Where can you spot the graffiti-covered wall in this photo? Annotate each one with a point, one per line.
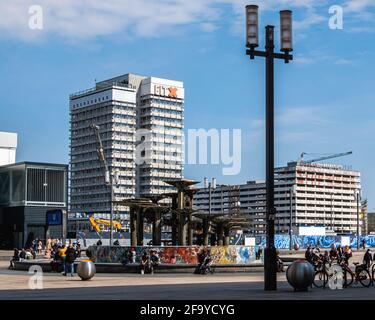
(282, 241)
(176, 255)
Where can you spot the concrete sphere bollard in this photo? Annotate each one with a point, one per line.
(300, 275)
(296, 247)
(86, 269)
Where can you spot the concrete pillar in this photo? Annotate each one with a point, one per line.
(182, 219)
(140, 228)
(226, 236)
(133, 227)
(174, 223)
(190, 231)
(156, 228)
(206, 231)
(219, 232)
(182, 230)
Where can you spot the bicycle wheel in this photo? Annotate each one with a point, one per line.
(320, 279)
(364, 278)
(348, 278)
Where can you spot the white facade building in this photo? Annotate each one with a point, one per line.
(8, 147)
(140, 120)
(324, 196)
(160, 118)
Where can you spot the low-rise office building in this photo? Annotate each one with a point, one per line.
(313, 194)
(33, 202)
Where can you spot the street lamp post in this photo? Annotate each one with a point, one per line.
(270, 269)
(332, 211)
(210, 186)
(292, 193)
(357, 196)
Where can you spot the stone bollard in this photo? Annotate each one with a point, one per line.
(300, 275)
(86, 269)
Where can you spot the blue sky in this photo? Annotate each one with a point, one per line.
(324, 100)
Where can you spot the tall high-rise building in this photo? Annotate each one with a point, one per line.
(140, 123)
(160, 122)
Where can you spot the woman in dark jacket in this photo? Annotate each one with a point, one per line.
(70, 258)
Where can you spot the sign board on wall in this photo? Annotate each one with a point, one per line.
(312, 231)
(249, 241)
(163, 88)
(54, 217)
(345, 241)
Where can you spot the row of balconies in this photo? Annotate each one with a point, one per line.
(176, 124)
(79, 176)
(84, 151)
(86, 166)
(161, 114)
(179, 108)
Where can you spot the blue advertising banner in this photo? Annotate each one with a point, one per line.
(54, 217)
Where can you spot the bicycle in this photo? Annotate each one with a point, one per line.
(321, 266)
(372, 274)
(361, 274)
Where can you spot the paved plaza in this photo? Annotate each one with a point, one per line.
(224, 286)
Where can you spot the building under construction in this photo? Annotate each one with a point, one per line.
(312, 194)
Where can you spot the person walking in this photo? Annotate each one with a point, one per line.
(62, 256)
(364, 244)
(367, 259)
(71, 255)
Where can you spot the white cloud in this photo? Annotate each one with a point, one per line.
(344, 62)
(208, 27)
(302, 116)
(358, 5)
(311, 19)
(85, 19)
(361, 30)
(301, 60)
(90, 18)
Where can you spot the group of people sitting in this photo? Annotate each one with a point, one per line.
(21, 255)
(149, 262)
(204, 262)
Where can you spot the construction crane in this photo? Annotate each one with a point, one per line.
(108, 178)
(97, 222)
(101, 154)
(336, 155)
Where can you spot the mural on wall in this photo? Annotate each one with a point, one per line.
(282, 241)
(176, 255)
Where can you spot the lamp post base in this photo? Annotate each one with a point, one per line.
(270, 269)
